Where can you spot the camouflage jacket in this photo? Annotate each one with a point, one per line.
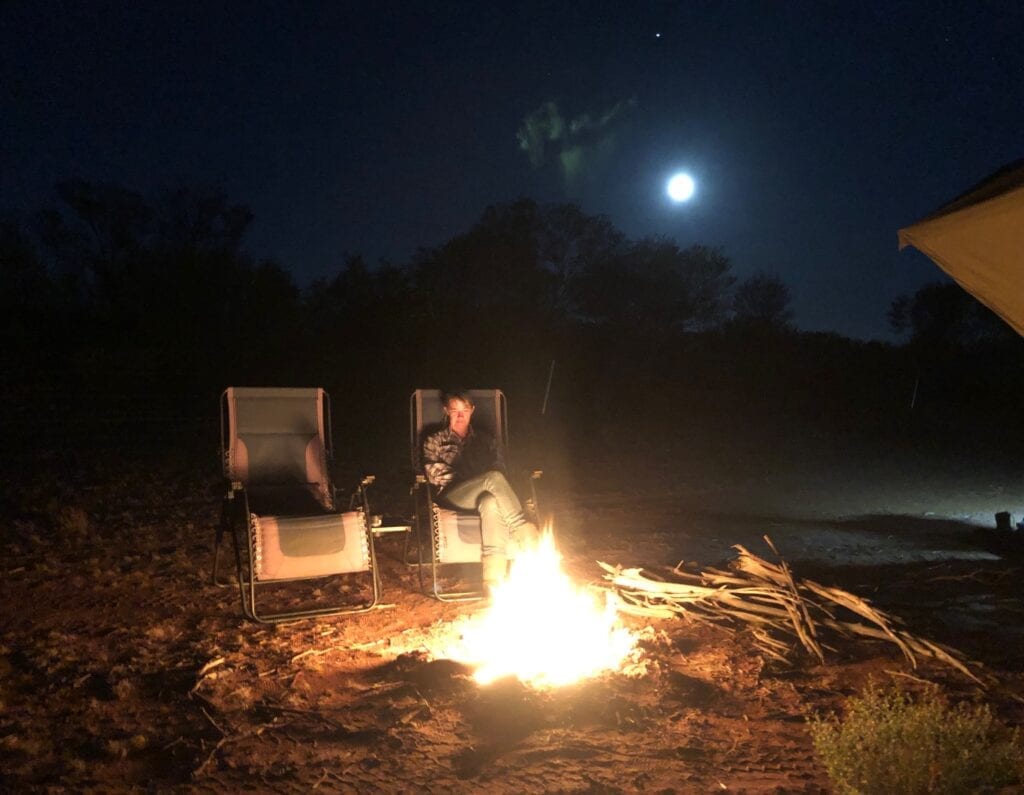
(448, 458)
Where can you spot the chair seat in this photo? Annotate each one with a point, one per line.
(296, 547)
(458, 536)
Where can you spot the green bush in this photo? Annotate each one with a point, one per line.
(890, 743)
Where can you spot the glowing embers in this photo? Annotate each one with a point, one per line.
(541, 628)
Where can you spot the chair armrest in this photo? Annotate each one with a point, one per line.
(236, 497)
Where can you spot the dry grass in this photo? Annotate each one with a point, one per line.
(776, 608)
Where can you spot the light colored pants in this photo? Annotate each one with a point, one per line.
(501, 513)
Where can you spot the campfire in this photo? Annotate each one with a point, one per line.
(542, 628)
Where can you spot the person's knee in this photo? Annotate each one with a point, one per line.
(494, 479)
(487, 506)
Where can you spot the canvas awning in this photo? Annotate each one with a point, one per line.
(978, 239)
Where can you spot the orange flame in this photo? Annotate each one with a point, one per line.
(541, 628)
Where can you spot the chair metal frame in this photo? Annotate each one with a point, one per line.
(238, 518)
(427, 530)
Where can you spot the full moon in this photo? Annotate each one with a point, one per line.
(681, 187)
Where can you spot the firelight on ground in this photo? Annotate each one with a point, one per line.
(542, 628)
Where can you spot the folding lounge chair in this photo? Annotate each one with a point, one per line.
(444, 536)
(280, 505)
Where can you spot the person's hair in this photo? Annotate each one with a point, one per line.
(457, 394)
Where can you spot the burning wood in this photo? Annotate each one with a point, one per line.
(765, 596)
(542, 628)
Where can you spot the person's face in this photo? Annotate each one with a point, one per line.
(459, 414)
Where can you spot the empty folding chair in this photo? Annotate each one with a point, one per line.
(281, 511)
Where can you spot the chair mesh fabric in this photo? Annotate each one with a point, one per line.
(275, 457)
(286, 411)
(293, 547)
(429, 416)
(457, 536)
(276, 438)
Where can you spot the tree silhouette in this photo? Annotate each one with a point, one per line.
(762, 302)
(96, 245)
(570, 243)
(943, 316)
(164, 287)
(30, 301)
(492, 268)
(656, 287)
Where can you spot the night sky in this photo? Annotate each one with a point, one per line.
(814, 129)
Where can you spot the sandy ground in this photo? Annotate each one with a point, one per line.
(121, 667)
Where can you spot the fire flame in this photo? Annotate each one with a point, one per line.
(541, 628)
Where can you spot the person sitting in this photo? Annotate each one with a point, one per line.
(467, 469)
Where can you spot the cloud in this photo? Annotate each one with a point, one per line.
(539, 127)
(580, 145)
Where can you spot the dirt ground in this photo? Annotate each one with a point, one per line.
(122, 667)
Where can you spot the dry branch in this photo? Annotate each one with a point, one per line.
(774, 604)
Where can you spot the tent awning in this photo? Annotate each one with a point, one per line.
(978, 239)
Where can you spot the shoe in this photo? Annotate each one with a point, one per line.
(494, 567)
(530, 510)
(524, 537)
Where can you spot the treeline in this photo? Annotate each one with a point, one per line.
(119, 305)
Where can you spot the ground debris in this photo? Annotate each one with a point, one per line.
(776, 607)
(122, 667)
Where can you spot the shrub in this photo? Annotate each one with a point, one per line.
(890, 743)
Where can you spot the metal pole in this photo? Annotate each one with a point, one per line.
(547, 389)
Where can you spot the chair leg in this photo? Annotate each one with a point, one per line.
(248, 589)
(251, 611)
(453, 596)
(248, 605)
(418, 524)
(408, 544)
(218, 539)
(418, 562)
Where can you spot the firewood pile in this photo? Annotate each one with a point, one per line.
(783, 614)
